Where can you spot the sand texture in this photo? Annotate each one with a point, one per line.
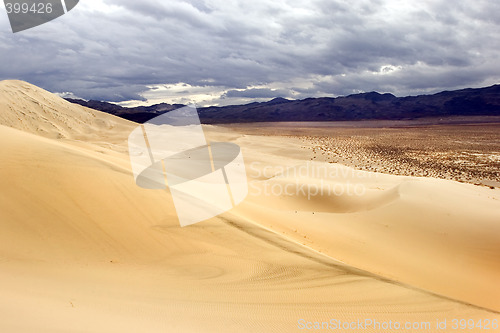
(83, 249)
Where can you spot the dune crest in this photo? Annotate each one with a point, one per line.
(403, 228)
(82, 248)
(31, 109)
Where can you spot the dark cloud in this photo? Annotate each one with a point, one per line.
(118, 49)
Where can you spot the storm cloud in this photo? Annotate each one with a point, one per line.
(226, 52)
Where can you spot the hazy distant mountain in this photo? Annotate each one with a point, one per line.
(138, 114)
(371, 105)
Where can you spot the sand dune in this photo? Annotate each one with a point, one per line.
(437, 235)
(83, 249)
(31, 109)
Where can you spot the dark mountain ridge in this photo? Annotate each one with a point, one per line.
(364, 106)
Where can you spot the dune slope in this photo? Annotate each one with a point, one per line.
(34, 110)
(83, 249)
(438, 235)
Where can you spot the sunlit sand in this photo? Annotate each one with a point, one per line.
(83, 249)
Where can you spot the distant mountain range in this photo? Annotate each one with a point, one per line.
(365, 106)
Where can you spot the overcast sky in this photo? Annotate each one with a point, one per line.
(218, 52)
